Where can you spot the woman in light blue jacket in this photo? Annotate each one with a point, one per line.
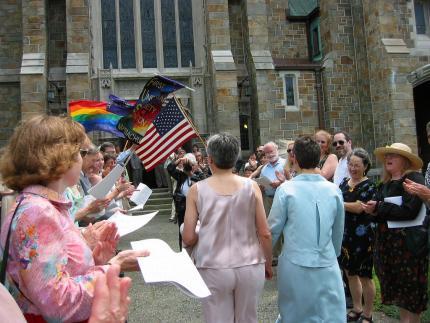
(309, 211)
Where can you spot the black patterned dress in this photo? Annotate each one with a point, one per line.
(402, 270)
(359, 235)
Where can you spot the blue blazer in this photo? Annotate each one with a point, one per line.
(309, 211)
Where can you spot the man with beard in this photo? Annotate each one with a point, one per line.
(343, 146)
(274, 171)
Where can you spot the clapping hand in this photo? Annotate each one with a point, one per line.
(369, 207)
(417, 189)
(102, 231)
(111, 300)
(280, 176)
(275, 184)
(103, 252)
(124, 189)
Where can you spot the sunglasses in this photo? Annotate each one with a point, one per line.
(83, 152)
(340, 142)
(289, 150)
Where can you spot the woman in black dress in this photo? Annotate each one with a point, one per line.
(358, 238)
(186, 177)
(401, 254)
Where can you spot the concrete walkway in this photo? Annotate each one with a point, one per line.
(165, 303)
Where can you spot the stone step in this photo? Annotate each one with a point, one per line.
(157, 207)
(161, 211)
(160, 194)
(160, 190)
(159, 201)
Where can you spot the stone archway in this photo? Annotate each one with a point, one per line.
(420, 80)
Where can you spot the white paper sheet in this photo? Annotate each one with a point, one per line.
(136, 208)
(405, 224)
(263, 181)
(163, 265)
(130, 223)
(140, 196)
(101, 189)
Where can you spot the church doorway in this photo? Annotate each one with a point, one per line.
(422, 116)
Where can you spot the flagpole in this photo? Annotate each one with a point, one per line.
(190, 121)
(125, 146)
(132, 149)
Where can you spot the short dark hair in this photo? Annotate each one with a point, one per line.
(307, 152)
(188, 167)
(109, 156)
(363, 155)
(224, 150)
(106, 144)
(344, 133)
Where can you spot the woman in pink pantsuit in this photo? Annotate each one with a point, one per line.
(232, 250)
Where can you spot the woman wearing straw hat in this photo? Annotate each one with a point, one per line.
(401, 263)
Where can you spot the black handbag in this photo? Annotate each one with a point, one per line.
(6, 247)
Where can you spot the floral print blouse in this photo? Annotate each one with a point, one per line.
(50, 267)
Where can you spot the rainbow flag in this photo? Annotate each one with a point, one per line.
(93, 115)
(145, 109)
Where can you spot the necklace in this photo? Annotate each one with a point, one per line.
(352, 184)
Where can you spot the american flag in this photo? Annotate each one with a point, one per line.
(169, 131)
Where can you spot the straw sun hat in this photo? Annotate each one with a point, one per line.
(402, 150)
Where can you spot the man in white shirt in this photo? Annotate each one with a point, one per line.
(343, 146)
(275, 166)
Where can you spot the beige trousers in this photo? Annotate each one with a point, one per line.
(235, 293)
(276, 251)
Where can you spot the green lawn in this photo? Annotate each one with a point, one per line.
(392, 310)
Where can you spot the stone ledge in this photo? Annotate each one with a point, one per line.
(77, 63)
(262, 60)
(420, 75)
(33, 63)
(395, 46)
(223, 60)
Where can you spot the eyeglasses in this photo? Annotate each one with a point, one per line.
(340, 142)
(289, 150)
(321, 142)
(83, 152)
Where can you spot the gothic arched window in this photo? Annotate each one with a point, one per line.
(147, 34)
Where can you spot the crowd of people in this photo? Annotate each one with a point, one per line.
(322, 221)
(328, 221)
